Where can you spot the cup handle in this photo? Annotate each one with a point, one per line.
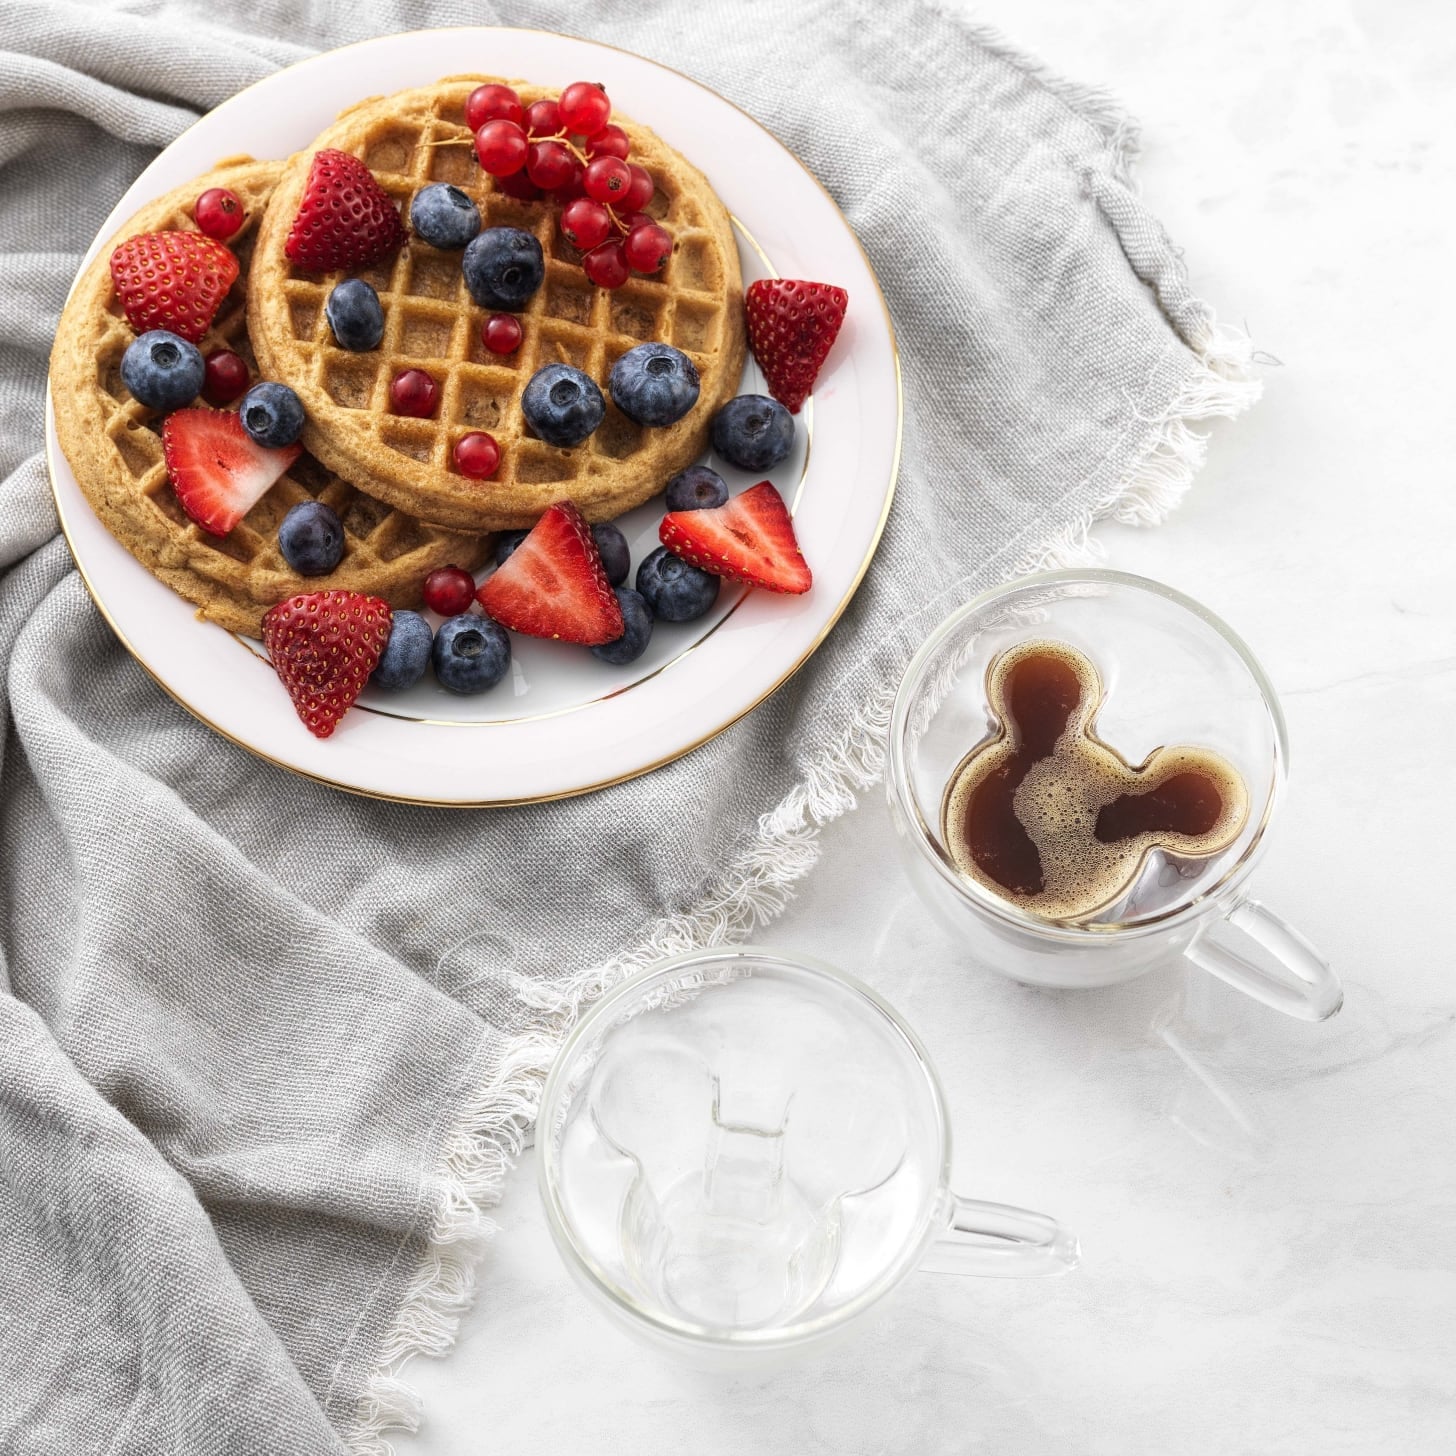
(1292, 976)
(999, 1241)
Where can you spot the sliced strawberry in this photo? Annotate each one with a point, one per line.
(554, 585)
(172, 281)
(217, 471)
(324, 645)
(792, 326)
(346, 219)
(750, 539)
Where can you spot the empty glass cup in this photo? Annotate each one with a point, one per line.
(1171, 673)
(743, 1151)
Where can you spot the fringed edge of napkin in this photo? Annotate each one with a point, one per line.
(492, 1127)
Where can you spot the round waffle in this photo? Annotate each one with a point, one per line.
(695, 303)
(115, 450)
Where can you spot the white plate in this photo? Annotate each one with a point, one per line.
(561, 723)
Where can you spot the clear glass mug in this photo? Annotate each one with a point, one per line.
(742, 1151)
(1172, 673)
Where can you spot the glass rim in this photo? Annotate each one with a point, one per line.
(897, 775)
(623, 1300)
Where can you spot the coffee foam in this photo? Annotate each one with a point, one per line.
(1062, 794)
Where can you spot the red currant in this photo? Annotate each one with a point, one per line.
(647, 247)
(626, 221)
(606, 266)
(639, 194)
(218, 213)
(607, 179)
(543, 118)
(225, 377)
(501, 333)
(571, 189)
(585, 223)
(412, 392)
(584, 108)
(490, 103)
(477, 455)
(519, 186)
(549, 164)
(610, 141)
(501, 147)
(449, 590)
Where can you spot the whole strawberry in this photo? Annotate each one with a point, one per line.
(346, 220)
(172, 281)
(324, 645)
(792, 325)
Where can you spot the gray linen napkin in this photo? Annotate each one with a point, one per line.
(268, 1049)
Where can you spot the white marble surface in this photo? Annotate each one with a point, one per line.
(1279, 1277)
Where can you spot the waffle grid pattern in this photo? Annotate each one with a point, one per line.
(431, 323)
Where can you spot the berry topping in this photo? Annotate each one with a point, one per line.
(172, 281)
(217, 472)
(503, 267)
(753, 432)
(584, 108)
(355, 315)
(610, 141)
(406, 655)
(226, 377)
(647, 247)
(572, 188)
(636, 630)
(506, 543)
(562, 405)
(444, 216)
(549, 164)
(792, 326)
(607, 179)
(449, 590)
(654, 384)
(412, 392)
(543, 118)
(493, 102)
(606, 265)
(272, 414)
(345, 220)
(502, 148)
(323, 646)
(750, 539)
(639, 190)
(696, 489)
(311, 538)
(612, 547)
(162, 371)
(477, 455)
(519, 186)
(585, 223)
(676, 590)
(471, 654)
(219, 213)
(554, 584)
(501, 333)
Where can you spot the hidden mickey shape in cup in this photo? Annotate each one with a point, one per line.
(741, 1151)
(1172, 673)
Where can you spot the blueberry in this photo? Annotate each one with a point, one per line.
(753, 432)
(311, 538)
(506, 543)
(612, 545)
(162, 370)
(444, 216)
(407, 653)
(503, 267)
(637, 619)
(272, 414)
(654, 384)
(696, 489)
(471, 654)
(354, 315)
(562, 405)
(676, 590)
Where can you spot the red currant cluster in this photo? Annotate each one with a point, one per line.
(568, 149)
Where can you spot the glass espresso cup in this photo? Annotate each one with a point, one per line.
(741, 1151)
(1171, 673)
